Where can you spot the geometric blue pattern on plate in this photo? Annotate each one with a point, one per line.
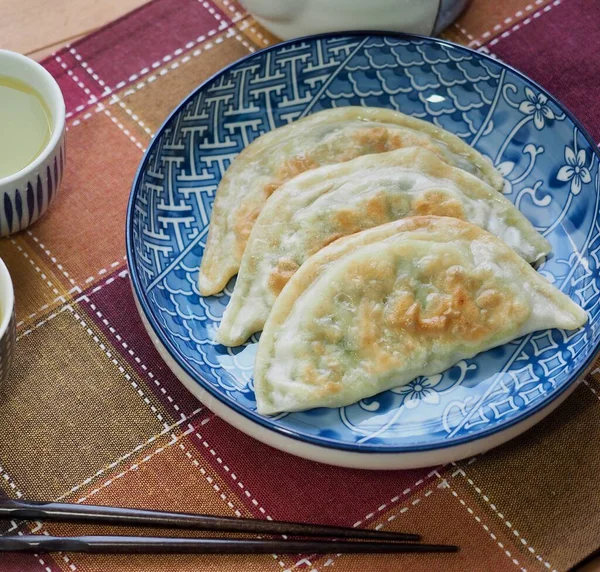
(552, 174)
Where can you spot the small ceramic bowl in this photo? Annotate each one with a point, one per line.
(27, 194)
(7, 322)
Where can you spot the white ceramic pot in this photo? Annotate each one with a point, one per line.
(293, 18)
(27, 194)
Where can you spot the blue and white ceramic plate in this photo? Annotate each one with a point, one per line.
(551, 170)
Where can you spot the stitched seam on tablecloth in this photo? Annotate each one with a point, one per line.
(404, 509)
(240, 484)
(134, 116)
(243, 26)
(214, 14)
(52, 258)
(394, 499)
(121, 369)
(69, 563)
(124, 129)
(405, 492)
(463, 31)
(14, 524)
(134, 77)
(121, 274)
(484, 50)
(167, 58)
(215, 486)
(534, 15)
(107, 91)
(413, 502)
(124, 273)
(41, 309)
(39, 527)
(89, 70)
(102, 271)
(236, 14)
(59, 297)
(308, 563)
(100, 106)
(233, 476)
(126, 347)
(164, 71)
(478, 519)
(260, 36)
(135, 466)
(78, 82)
(587, 384)
(530, 548)
(305, 561)
(133, 451)
(231, 33)
(68, 304)
(37, 268)
(6, 478)
(525, 22)
(534, 6)
(43, 562)
(85, 116)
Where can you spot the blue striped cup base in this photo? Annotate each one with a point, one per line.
(30, 196)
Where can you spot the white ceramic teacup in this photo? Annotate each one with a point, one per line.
(27, 194)
(7, 321)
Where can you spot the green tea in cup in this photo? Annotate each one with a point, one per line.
(25, 125)
(32, 141)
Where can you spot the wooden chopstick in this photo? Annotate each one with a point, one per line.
(64, 512)
(158, 545)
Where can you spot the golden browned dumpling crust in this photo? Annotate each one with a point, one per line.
(318, 207)
(324, 138)
(376, 309)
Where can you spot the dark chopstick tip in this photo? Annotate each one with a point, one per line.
(385, 535)
(431, 547)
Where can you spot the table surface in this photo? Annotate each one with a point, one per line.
(37, 28)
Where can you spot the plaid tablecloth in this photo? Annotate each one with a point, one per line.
(91, 414)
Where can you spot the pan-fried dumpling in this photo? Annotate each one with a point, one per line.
(319, 206)
(374, 310)
(324, 138)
